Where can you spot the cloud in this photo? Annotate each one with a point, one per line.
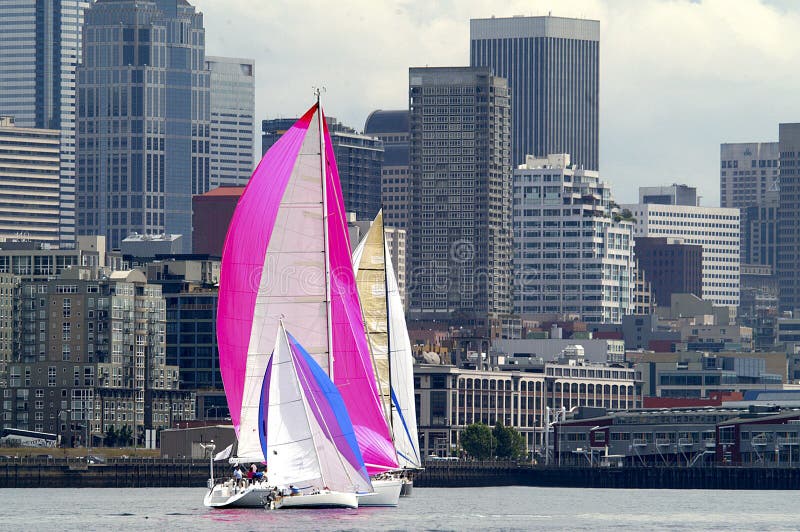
(677, 77)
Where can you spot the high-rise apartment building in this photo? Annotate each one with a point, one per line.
(92, 357)
(39, 54)
(749, 172)
(29, 183)
(460, 251)
(714, 228)
(552, 65)
(143, 119)
(789, 218)
(232, 120)
(359, 159)
(573, 252)
(391, 128)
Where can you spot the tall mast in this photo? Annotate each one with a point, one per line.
(322, 175)
(386, 257)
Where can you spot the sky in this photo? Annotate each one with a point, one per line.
(677, 78)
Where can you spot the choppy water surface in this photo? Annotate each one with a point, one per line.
(515, 508)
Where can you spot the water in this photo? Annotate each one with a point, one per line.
(485, 509)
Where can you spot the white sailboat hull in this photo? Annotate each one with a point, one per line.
(387, 493)
(324, 499)
(228, 495)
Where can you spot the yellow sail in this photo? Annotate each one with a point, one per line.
(369, 262)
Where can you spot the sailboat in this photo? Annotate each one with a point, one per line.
(287, 258)
(390, 345)
(306, 435)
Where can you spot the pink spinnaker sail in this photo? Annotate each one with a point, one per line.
(243, 258)
(273, 267)
(352, 366)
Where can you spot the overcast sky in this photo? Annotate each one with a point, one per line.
(677, 78)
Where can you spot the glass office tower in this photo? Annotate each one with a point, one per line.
(232, 118)
(40, 50)
(143, 119)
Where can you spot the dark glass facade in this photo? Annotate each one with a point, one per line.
(40, 51)
(359, 159)
(789, 218)
(552, 66)
(143, 119)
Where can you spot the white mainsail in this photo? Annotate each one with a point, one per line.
(302, 446)
(292, 283)
(404, 414)
(391, 348)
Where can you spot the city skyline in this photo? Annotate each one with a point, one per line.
(666, 102)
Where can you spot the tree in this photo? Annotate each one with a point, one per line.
(111, 436)
(124, 436)
(509, 443)
(476, 440)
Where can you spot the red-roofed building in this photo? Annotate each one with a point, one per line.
(714, 399)
(211, 215)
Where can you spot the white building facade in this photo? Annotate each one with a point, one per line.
(714, 228)
(232, 120)
(572, 250)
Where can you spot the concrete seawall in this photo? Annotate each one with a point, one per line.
(150, 474)
(166, 473)
(477, 474)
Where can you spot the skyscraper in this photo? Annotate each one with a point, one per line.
(553, 69)
(359, 159)
(573, 252)
(459, 263)
(232, 118)
(749, 181)
(391, 127)
(143, 119)
(39, 53)
(789, 218)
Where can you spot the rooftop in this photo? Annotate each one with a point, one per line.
(223, 191)
(380, 121)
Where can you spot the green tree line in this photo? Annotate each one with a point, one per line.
(481, 442)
